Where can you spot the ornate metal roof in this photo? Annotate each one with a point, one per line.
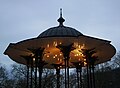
(60, 31)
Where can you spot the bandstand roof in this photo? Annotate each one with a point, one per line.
(60, 35)
(60, 31)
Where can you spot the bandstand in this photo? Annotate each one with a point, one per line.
(61, 47)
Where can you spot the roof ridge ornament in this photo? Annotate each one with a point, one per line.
(61, 19)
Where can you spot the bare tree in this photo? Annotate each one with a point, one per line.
(116, 61)
(19, 73)
(5, 82)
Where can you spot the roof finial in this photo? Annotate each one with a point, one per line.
(61, 20)
(60, 12)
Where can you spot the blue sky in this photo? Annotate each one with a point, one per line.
(24, 19)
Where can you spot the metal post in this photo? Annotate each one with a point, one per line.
(40, 76)
(36, 62)
(38, 54)
(90, 65)
(40, 67)
(58, 82)
(58, 77)
(88, 84)
(27, 75)
(80, 77)
(27, 58)
(66, 51)
(90, 77)
(78, 66)
(68, 70)
(77, 77)
(93, 76)
(65, 74)
(31, 83)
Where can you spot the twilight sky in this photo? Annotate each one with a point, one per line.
(24, 19)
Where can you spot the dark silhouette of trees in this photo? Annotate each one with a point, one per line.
(18, 74)
(5, 82)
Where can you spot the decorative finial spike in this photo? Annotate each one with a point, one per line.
(61, 20)
(60, 12)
